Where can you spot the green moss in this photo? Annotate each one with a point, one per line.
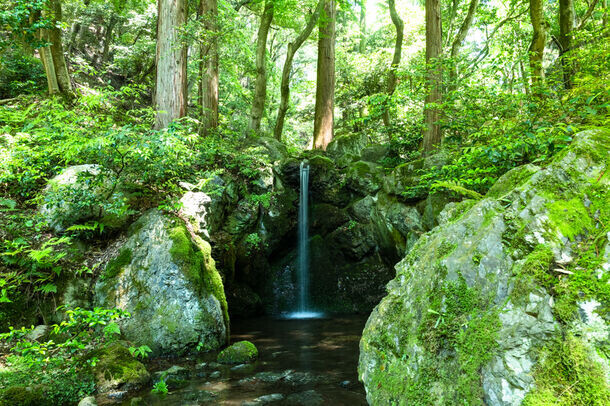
(24, 396)
(533, 272)
(445, 249)
(570, 217)
(511, 180)
(115, 363)
(241, 352)
(197, 264)
(568, 374)
(115, 266)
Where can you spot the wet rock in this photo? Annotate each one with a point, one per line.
(243, 368)
(168, 282)
(264, 400)
(82, 193)
(117, 394)
(346, 384)
(88, 401)
(174, 377)
(467, 317)
(215, 375)
(307, 398)
(242, 352)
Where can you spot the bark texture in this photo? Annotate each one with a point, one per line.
(392, 78)
(170, 100)
(536, 49)
(52, 57)
(432, 130)
(362, 44)
(293, 47)
(260, 87)
(325, 84)
(208, 66)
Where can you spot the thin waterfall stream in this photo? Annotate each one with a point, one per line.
(303, 310)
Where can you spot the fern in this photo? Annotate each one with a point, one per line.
(457, 188)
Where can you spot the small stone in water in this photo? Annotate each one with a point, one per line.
(345, 384)
(215, 375)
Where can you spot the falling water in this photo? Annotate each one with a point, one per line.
(303, 310)
(303, 265)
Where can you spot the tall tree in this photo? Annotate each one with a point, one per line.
(432, 130)
(323, 126)
(566, 26)
(458, 41)
(362, 44)
(170, 91)
(536, 49)
(260, 87)
(293, 47)
(392, 79)
(208, 66)
(52, 56)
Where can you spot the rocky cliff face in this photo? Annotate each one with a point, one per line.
(506, 301)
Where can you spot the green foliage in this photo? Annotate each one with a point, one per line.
(20, 74)
(140, 352)
(160, 388)
(55, 364)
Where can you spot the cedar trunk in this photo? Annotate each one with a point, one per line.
(536, 50)
(432, 130)
(170, 100)
(260, 87)
(52, 57)
(325, 83)
(208, 66)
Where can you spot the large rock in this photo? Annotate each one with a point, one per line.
(115, 368)
(82, 193)
(347, 148)
(506, 300)
(169, 284)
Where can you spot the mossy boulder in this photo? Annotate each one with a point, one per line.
(116, 368)
(242, 352)
(84, 193)
(21, 395)
(166, 278)
(506, 301)
(364, 178)
(347, 148)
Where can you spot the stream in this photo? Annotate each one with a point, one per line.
(301, 362)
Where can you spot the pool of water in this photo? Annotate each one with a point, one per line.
(301, 362)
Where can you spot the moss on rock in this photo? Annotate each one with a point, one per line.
(21, 395)
(115, 266)
(242, 352)
(117, 368)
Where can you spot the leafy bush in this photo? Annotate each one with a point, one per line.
(20, 74)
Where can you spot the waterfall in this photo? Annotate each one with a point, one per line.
(303, 248)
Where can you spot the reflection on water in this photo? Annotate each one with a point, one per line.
(301, 362)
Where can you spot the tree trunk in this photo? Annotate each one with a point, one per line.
(208, 10)
(392, 79)
(432, 131)
(566, 26)
(362, 44)
(536, 49)
(260, 87)
(293, 47)
(325, 83)
(108, 38)
(459, 40)
(52, 56)
(170, 101)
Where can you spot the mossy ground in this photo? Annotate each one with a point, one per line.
(115, 363)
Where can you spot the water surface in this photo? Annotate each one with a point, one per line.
(301, 362)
